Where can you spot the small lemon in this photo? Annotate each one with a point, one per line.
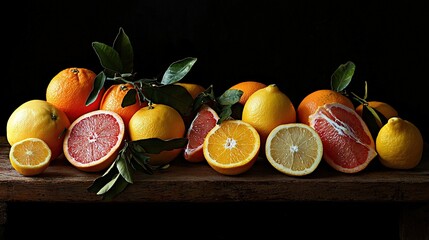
(399, 144)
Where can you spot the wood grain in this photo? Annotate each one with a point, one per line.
(187, 182)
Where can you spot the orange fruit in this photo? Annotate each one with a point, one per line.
(93, 140)
(387, 110)
(192, 88)
(348, 145)
(69, 90)
(248, 88)
(399, 144)
(158, 121)
(38, 119)
(30, 156)
(232, 147)
(266, 109)
(112, 101)
(318, 98)
(294, 149)
(205, 119)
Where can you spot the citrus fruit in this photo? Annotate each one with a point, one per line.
(69, 90)
(93, 140)
(232, 147)
(387, 110)
(30, 156)
(205, 119)
(399, 144)
(266, 109)
(113, 98)
(294, 149)
(38, 119)
(348, 145)
(248, 88)
(192, 88)
(158, 121)
(318, 98)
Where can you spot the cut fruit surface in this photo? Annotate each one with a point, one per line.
(30, 156)
(347, 142)
(205, 119)
(93, 140)
(294, 149)
(232, 147)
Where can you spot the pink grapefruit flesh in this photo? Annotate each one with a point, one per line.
(93, 140)
(204, 121)
(348, 145)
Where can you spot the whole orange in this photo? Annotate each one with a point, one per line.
(192, 88)
(158, 121)
(69, 90)
(312, 101)
(248, 88)
(38, 119)
(387, 110)
(112, 101)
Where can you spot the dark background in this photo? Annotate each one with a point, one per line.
(295, 44)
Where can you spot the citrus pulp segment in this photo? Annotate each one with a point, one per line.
(205, 119)
(294, 149)
(232, 147)
(93, 140)
(348, 145)
(30, 156)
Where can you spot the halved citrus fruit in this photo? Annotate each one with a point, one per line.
(232, 147)
(205, 119)
(30, 156)
(348, 145)
(93, 140)
(294, 149)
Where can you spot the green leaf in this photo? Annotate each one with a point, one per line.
(206, 97)
(125, 169)
(100, 182)
(124, 48)
(109, 184)
(225, 114)
(109, 57)
(98, 85)
(142, 162)
(172, 95)
(341, 78)
(129, 98)
(177, 70)
(156, 145)
(230, 97)
(117, 188)
(373, 119)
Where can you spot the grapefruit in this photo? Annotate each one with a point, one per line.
(205, 119)
(348, 145)
(93, 140)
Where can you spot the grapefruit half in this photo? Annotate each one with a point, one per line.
(205, 119)
(348, 145)
(93, 140)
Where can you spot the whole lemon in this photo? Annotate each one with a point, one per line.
(267, 108)
(399, 144)
(38, 119)
(157, 121)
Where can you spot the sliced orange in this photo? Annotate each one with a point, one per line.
(30, 156)
(294, 149)
(232, 147)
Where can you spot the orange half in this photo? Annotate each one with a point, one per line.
(30, 156)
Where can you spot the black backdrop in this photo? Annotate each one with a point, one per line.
(295, 44)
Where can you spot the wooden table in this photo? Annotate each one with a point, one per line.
(186, 182)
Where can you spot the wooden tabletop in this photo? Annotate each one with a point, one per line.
(188, 182)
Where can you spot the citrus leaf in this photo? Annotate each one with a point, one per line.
(118, 187)
(373, 119)
(156, 145)
(100, 182)
(142, 161)
(109, 57)
(109, 184)
(177, 70)
(129, 98)
(98, 85)
(124, 48)
(224, 114)
(230, 97)
(341, 78)
(172, 95)
(125, 169)
(205, 97)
